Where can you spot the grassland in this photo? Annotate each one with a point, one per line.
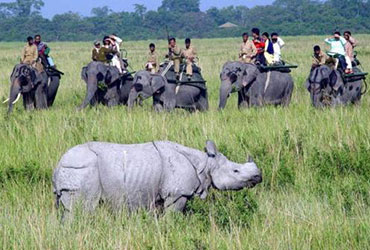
(316, 163)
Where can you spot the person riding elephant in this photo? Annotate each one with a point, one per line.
(44, 51)
(46, 63)
(327, 87)
(105, 85)
(31, 84)
(166, 95)
(255, 87)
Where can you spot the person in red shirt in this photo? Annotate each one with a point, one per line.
(260, 45)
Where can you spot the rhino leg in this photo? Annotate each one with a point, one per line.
(176, 205)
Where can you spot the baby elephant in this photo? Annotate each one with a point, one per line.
(153, 175)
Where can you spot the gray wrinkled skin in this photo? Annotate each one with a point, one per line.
(164, 94)
(116, 88)
(327, 88)
(250, 83)
(159, 174)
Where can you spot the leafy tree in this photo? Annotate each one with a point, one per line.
(140, 10)
(101, 11)
(21, 8)
(184, 19)
(183, 6)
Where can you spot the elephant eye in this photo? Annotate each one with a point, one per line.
(236, 171)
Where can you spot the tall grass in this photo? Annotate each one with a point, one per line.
(316, 163)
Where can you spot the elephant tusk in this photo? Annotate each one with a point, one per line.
(16, 100)
(7, 100)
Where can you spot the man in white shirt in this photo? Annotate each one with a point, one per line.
(278, 44)
(338, 50)
(117, 60)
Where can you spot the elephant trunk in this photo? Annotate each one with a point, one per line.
(225, 91)
(132, 98)
(15, 91)
(92, 87)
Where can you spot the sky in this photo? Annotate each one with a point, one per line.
(84, 7)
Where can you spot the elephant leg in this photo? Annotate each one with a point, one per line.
(41, 97)
(288, 95)
(176, 205)
(202, 104)
(157, 105)
(53, 89)
(29, 101)
(92, 87)
(112, 97)
(243, 100)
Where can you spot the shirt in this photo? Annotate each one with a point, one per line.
(29, 54)
(350, 45)
(247, 51)
(319, 59)
(336, 46)
(152, 58)
(260, 45)
(190, 54)
(277, 52)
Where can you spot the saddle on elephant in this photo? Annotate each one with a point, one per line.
(167, 69)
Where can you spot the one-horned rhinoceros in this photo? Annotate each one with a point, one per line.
(146, 175)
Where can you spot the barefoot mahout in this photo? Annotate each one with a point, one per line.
(105, 84)
(158, 174)
(256, 85)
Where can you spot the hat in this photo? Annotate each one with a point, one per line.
(96, 42)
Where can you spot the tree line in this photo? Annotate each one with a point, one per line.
(183, 18)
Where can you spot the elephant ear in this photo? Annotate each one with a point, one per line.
(112, 75)
(35, 76)
(335, 81)
(211, 149)
(15, 73)
(249, 75)
(157, 83)
(333, 78)
(84, 74)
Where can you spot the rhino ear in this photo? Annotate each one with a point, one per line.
(211, 149)
(249, 159)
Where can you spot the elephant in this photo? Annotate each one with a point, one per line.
(31, 84)
(158, 174)
(105, 85)
(255, 86)
(38, 89)
(167, 96)
(327, 87)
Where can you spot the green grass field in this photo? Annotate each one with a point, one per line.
(316, 163)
